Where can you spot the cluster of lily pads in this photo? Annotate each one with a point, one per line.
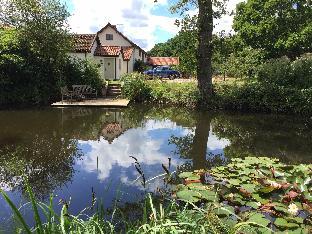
(264, 191)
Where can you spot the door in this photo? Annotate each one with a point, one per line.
(109, 68)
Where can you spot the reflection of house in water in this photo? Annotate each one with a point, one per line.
(93, 124)
(114, 126)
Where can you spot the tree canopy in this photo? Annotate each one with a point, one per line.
(281, 27)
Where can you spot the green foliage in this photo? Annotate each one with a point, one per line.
(283, 72)
(184, 46)
(279, 27)
(138, 89)
(172, 218)
(139, 66)
(81, 72)
(243, 63)
(33, 60)
(135, 88)
(257, 96)
(261, 185)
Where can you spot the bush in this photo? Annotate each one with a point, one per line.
(138, 89)
(243, 63)
(283, 72)
(135, 88)
(256, 96)
(81, 72)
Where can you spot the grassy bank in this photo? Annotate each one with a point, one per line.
(245, 96)
(251, 195)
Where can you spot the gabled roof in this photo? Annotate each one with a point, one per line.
(127, 52)
(107, 51)
(116, 30)
(83, 42)
(162, 61)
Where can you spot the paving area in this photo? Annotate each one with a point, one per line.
(100, 102)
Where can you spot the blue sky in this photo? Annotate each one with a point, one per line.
(143, 21)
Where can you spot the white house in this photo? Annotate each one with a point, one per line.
(109, 48)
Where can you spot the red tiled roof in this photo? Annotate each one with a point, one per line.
(107, 51)
(162, 61)
(83, 42)
(127, 52)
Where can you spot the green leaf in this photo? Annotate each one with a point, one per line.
(234, 182)
(208, 195)
(266, 189)
(249, 187)
(259, 219)
(252, 204)
(189, 195)
(280, 222)
(185, 175)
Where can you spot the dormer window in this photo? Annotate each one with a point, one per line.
(109, 37)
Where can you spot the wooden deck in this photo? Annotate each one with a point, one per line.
(100, 102)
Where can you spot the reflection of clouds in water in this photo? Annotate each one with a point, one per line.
(166, 124)
(216, 143)
(135, 142)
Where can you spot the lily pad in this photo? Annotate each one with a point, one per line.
(259, 219)
(280, 222)
(188, 195)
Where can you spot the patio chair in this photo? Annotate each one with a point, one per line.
(66, 93)
(89, 91)
(78, 92)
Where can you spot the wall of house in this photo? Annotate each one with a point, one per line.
(118, 40)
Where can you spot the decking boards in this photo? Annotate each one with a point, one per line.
(100, 102)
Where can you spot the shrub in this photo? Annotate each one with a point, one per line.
(283, 72)
(256, 96)
(135, 88)
(138, 89)
(81, 72)
(243, 63)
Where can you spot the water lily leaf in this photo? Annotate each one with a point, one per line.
(259, 219)
(252, 204)
(249, 187)
(234, 182)
(208, 195)
(295, 220)
(188, 195)
(280, 222)
(258, 198)
(184, 175)
(308, 196)
(224, 210)
(267, 189)
(281, 208)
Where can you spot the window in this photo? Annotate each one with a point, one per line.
(109, 37)
(119, 64)
(140, 53)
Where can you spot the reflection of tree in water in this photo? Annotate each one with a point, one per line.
(285, 137)
(194, 145)
(46, 162)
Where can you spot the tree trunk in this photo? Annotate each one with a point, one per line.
(204, 53)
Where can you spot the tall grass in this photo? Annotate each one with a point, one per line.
(174, 217)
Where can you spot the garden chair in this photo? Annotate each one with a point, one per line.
(66, 93)
(89, 91)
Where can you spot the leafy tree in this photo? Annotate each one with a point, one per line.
(281, 27)
(183, 45)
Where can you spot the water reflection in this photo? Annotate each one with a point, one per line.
(74, 151)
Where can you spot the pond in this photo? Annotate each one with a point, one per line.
(78, 154)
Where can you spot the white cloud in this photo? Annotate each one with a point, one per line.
(134, 18)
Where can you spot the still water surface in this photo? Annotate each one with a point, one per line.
(74, 153)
